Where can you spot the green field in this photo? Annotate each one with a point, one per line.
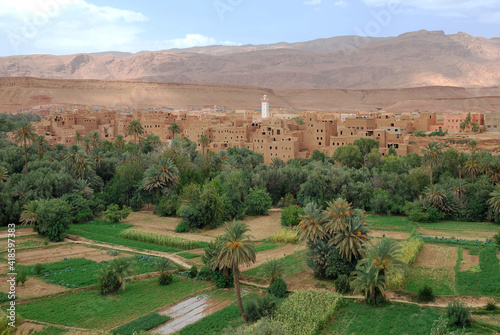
(188, 255)
(293, 264)
(484, 283)
(108, 233)
(92, 311)
(442, 281)
(391, 223)
(266, 245)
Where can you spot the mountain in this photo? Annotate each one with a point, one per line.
(22, 92)
(422, 58)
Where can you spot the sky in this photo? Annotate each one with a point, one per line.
(62, 27)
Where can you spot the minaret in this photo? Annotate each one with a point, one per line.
(265, 107)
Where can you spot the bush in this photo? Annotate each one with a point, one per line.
(338, 265)
(108, 281)
(490, 306)
(342, 284)
(290, 216)
(162, 266)
(278, 288)
(21, 277)
(193, 272)
(260, 307)
(38, 269)
(285, 236)
(80, 207)
(425, 294)
(165, 279)
(182, 227)
(192, 217)
(419, 133)
(54, 217)
(258, 202)
(496, 238)
(205, 273)
(168, 206)
(114, 214)
(418, 215)
(381, 202)
(221, 280)
(458, 314)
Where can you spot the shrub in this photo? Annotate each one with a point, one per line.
(342, 284)
(496, 238)
(490, 306)
(260, 307)
(306, 312)
(54, 217)
(336, 265)
(278, 288)
(419, 133)
(425, 294)
(289, 200)
(290, 216)
(162, 266)
(285, 236)
(205, 273)
(21, 277)
(168, 205)
(193, 272)
(192, 217)
(80, 207)
(165, 279)
(221, 280)
(38, 269)
(418, 215)
(258, 202)
(182, 227)
(381, 202)
(114, 214)
(458, 314)
(107, 281)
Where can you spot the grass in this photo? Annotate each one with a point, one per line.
(145, 322)
(457, 226)
(81, 272)
(267, 245)
(356, 318)
(390, 223)
(484, 283)
(90, 310)
(188, 255)
(441, 280)
(109, 233)
(285, 236)
(293, 264)
(24, 242)
(161, 239)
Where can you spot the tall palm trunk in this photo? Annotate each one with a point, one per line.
(236, 277)
(432, 187)
(25, 157)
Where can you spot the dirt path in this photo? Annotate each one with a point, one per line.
(19, 232)
(277, 253)
(398, 235)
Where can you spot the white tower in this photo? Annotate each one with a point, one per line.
(265, 107)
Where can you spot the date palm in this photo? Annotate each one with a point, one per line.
(385, 256)
(312, 223)
(433, 157)
(78, 138)
(95, 139)
(175, 129)
(367, 280)
(20, 190)
(204, 141)
(235, 249)
(135, 128)
(97, 157)
(22, 136)
(351, 239)
(494, 201)
(41, 146)
(29, 215)
(339, 211)
(272, 269)
(473, 167)
(119, 142)
(160, 176)
(4, 175)
(122, 268)
(83, 188)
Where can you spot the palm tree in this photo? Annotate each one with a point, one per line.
(367, 280)
(97, 158)
(433, 157)
(494, 201)
(122, 268)
(29, 215)
(22, 136)
(41, 146)
(175, 129)
(472, 167)
(95, 139)
(272, 269)
(351, 240)
(83, 188)
(204, 141)
(338, 214)
(385, 256)
(235, 249)
(162, 266)
(87, 144)
(20, 190)
(4, 175)
(78, 138)
(439, 200)
(120, 142)
(135, 128)
(312, 223)
(160, 176)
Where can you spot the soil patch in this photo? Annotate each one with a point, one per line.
(437, 257)
(33, 287)
(471, 235)
(276, 253)
(305, 280)
(391, 234)
(261, 226)
(19, 232)
(30, 328)
(492, 319)
(56, 254)
(468, 261)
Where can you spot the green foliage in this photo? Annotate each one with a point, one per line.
(161, 239)
(182, 227)
(366, 145)
(496, 238)
(491, 306)
(306, 312)
(21, 277)
(348, 155)
(485, 282)
(410, 249)
(93, 311)
(257, 202)
(168, 206)
(162, 266)
(114, 214)
(342, 284)
(278, 288)
(54, 217)
(285, 236)
(458, 314)
(272, 269)
(108, 282)
(419, 133)
(80, 207)
(327, 262)
(188, 255)
(222, 280)
(439, 132)
(260, 307)
(290, 216)
(145, 322)
(425, 294)
(191, 216)
(193, 272)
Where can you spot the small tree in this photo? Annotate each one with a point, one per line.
(258, 202)
(290, 216)
(114, 214)
(53, 218)
(273, 269)
(162, 266)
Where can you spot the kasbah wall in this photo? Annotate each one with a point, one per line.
(273, 133)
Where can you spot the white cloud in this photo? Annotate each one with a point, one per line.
(313, 2)
(190, 40)
(340, 3)
(437, 4)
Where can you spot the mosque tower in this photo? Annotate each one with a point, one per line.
(265, 107)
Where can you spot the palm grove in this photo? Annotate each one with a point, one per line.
(53, 187)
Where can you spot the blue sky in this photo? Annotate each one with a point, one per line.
(73, 26)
